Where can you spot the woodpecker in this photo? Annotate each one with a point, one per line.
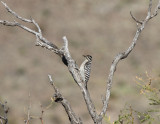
(85, 68)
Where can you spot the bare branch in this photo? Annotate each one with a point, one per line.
(42, 112)
(41, 40)
(63, 53)
(15, 14)
(73, 68)
(53, 85)
(150, 8)
(60, 99)
(28, 110)
(65, 44)
(134, 18)
(65, 48)
(124, 55)
(156, 10)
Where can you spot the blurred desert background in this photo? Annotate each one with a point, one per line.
(101, 28)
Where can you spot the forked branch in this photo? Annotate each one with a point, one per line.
(41, 41)
(60, 99)
(64, 53)
(125, 54)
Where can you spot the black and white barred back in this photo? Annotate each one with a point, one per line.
(87, 67)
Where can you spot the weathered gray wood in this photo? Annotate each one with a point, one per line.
(73, 67)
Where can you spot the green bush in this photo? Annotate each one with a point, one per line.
(149, 88)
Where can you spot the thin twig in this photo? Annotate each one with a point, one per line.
(63, 53)
(15, 14)
(42, 112)
(41, 40)
(134, 18)
(73, 68)
(150, 8)
(28, 110)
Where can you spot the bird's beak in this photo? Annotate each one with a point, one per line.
(84, 56)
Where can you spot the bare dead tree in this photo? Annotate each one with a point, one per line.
(73, 68)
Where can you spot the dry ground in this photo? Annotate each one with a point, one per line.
(101, 28)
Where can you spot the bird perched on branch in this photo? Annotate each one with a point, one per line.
(85, 68)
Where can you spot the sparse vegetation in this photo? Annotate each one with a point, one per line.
(127, 115)
(149, 88)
